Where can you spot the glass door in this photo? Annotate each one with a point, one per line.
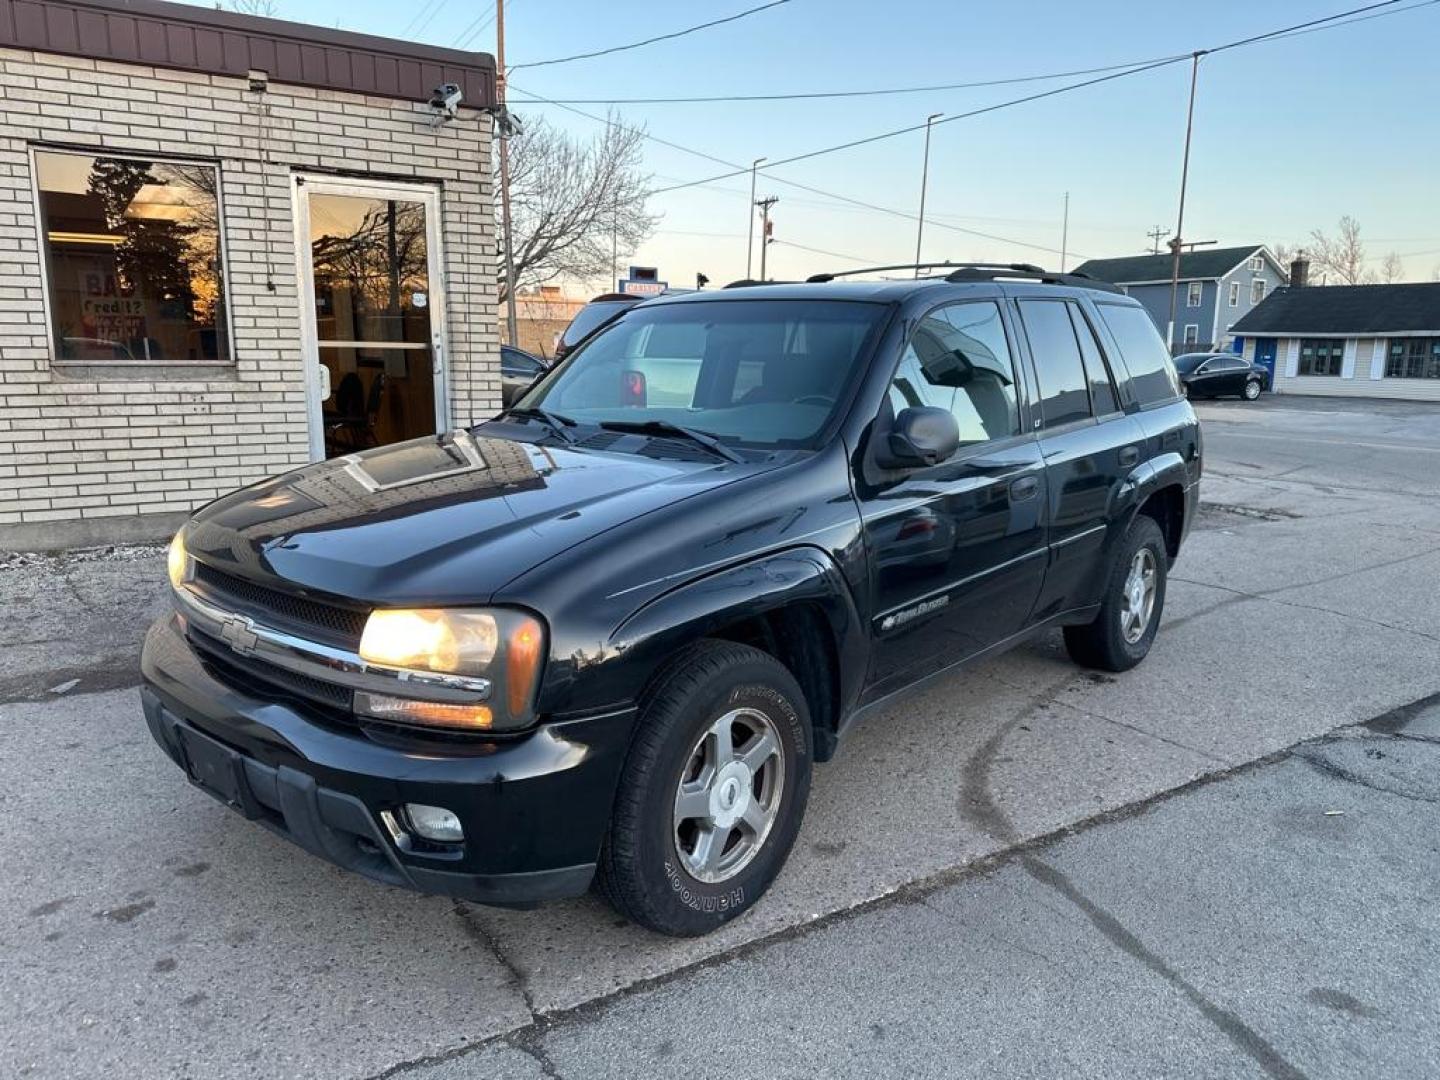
(373, 312)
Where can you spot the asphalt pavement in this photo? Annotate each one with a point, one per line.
(1207, 866)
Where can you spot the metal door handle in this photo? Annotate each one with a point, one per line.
(1129, 455)
(1024, 488)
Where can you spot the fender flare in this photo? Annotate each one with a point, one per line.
(755, 587)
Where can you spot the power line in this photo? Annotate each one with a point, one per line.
(736, 170)
(820, 94)
(1151, 66)
(653, 40)
(419, 14)
(833, 196)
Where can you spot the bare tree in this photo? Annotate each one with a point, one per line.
(1392, 269)
(573, 203)
(1342, 256)
(266, 8)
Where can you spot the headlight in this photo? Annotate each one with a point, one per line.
(503, 647)
(177, 559)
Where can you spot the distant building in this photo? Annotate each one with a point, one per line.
(541, 316)
(1349, 340)
(1218, 287)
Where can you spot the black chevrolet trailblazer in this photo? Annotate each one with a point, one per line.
(602, 638)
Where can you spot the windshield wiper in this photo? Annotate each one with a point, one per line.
(665, 427)
(554, 421)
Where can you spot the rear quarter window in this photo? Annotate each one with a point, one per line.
(1152, 374)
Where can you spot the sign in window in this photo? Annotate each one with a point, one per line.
(133, 259)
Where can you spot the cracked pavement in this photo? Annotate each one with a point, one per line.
(1208, 866)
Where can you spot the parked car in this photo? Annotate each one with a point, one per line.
(603, 638)
(518, 369)
(1216, 374)
(598, 313)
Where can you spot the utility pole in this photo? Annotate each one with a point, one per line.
(1177, 243)
(1158, 233)
(1065, 233)
(765, 204)
(750, 236)
(924, 183)
(512, 333)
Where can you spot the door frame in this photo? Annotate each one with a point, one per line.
(301, 184)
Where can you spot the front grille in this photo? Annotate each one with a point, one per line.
(330, 623)
(249, 674)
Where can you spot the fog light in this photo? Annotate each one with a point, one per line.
(434, 823)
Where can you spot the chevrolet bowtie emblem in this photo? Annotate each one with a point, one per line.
(239, 633)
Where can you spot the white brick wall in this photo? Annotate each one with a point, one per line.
(113, 445)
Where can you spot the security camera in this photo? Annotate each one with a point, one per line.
(445, 101)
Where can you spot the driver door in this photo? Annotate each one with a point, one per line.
(956, 550)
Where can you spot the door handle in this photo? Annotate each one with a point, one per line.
(1024, 488)
(1129, 455)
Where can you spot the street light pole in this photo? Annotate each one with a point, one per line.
(750, 235)
(924, 183)
(1177, 244)
(1065, 233)
(512, 332)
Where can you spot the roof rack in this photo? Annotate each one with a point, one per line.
(981, 272)
(745, 283)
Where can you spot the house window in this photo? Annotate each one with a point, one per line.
(1413, 358)
(1234, 294)
(1194, 294)
(133, 260)
(1257, 263)
(1257, 290)
(1321, 356)
(1192, 334)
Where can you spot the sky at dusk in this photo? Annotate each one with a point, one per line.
(1289, 135)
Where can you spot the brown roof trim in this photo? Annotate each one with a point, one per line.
(213, 42)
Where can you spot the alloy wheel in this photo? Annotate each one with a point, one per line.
(1137, 601)
(729, 795)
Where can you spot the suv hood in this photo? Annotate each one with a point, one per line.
(441, 520)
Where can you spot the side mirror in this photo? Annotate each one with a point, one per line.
(922, 435)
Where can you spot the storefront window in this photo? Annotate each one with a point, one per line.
(1413, 358)
(132, 251)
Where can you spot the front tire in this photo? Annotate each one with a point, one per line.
(1252, 389)
(713, 792)
(1133, 603)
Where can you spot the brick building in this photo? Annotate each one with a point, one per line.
(228, 246)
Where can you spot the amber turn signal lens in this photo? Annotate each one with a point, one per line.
(522, 664)
(428, 713)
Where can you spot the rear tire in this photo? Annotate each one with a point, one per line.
(1132, 605)
(697, 834)
(1252, 389)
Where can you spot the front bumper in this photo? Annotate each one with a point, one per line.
(534, 807)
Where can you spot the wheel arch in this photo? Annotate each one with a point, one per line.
(793, 605)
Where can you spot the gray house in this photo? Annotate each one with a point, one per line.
(1218, 286)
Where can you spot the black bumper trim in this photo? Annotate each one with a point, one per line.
(334, 825)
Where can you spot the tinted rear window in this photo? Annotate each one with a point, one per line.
(589, 317)
(1151, 373)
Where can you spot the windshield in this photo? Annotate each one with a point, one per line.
(764, 373)
(1189, 362)
(589, 317)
